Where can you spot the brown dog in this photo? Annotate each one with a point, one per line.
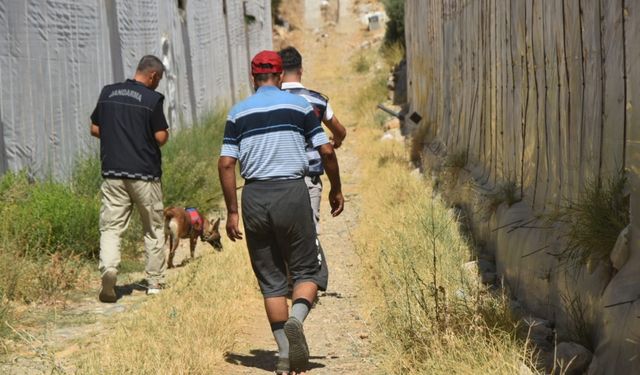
(189, 223)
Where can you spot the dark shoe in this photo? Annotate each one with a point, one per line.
(108, 291)
(282, 367)
(298, 349)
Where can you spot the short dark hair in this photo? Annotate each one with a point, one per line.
(264, 77)
(291, 59)
(150, 62)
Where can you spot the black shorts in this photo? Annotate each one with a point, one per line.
(281, 235)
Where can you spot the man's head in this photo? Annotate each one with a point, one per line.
(149, 71)
(266, 69)
(291, 64)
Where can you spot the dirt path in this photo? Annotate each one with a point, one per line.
(336, 331)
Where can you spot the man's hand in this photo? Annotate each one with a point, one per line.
(95, 130)
(336, 142)
(161, 137)
(233, 226)
(336, 200)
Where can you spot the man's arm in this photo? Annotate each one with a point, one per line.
(331, 168)
(159, 124)
(161, 137)
(339, 132)
(95, 131)
(227, 174)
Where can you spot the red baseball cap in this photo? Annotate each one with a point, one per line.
(266, 62)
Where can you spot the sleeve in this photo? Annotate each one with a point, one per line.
(95, 116)
(313, 131)
(328, 113)
(230, 140)
(158, 121)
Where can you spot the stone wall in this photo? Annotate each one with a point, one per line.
(540, 95)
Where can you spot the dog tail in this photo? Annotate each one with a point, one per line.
(168, 215)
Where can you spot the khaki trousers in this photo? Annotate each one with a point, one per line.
(118, 198)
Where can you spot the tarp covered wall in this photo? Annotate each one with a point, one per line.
(55, 56)
(541, 94)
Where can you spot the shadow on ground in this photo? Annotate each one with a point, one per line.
(263, 359)
(127, 289)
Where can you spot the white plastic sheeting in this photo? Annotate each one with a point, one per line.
(543, 95)
(55, 55)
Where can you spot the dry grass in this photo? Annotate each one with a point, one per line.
(594, 221)
(430, 315)
(184, 330)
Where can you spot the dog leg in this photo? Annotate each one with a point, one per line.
(172, 250)
(192, 243)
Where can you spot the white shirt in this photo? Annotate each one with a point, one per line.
(328, 113)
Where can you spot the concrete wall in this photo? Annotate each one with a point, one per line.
(541, 94)
(55, 56)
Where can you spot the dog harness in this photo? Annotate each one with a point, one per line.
(196, 220)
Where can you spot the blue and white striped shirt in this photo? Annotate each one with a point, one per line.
(268, 133)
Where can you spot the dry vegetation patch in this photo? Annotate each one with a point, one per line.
(430, 315)
(186, 329)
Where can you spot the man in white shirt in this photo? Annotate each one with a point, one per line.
(291, 82)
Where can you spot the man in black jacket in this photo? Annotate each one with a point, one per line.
(131, 126)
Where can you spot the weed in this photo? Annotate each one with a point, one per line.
(361, 64)
(594, 221)
(457, 160)
(580, 329)
(505, 192)
(392, 53)
(190, 165)
(380, 118)
(419, 140)
(430, 318)
(86, 178)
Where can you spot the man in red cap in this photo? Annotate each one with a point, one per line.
(268, 133)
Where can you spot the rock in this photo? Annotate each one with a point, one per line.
(363, 336)
(594, 366)
(486, 266)
(524, 370)
(517, 308)
(394, 123)
(471, 267)
(392, 135)
(472, 273)
(620, 252)
(539, 332)
(573, 358)
(416, 173)
(461, 294)
(488, 278)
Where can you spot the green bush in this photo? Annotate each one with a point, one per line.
(395, 25)
(190, 169)
(361, 64)
(45, 218)
(54, 219)
(594, 221)
(86, 178)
